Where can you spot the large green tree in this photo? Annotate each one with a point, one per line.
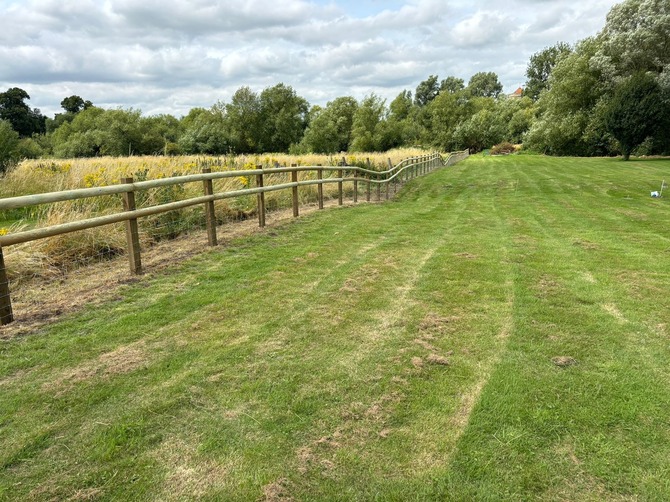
(15, 110)
(635, 38)
(74, 104)
(485, 85)
(426, 91)
(9, 141)
(636, 112)
(540, 66)
(452, 85)
(283, 118)
(205, 131)
(567, 107)
(330, 128)
(368, 116)
(96, 132)
(243, 121)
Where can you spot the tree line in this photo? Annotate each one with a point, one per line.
(607, 95)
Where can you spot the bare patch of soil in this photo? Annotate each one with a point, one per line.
(349, 286)
(277, 490)
(467, 256)
(19, 375)
(563, 361)
(188, 476)
(424, 344)
(584, 244)
(417, 362)
(434, 322)
(436, 359)
(547, 286)
(119, 361)
(86, 494)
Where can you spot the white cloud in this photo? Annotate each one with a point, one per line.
(484, 29)
(170, 55)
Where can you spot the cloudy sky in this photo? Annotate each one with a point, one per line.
(168, 56)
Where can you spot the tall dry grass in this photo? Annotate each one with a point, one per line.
(51, 255)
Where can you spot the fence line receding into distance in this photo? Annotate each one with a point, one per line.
(405, 170)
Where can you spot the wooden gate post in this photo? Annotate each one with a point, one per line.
(260, 198)
(319, 187)
(210, 218)
(132, 230)
(6, 314)
(294, 179)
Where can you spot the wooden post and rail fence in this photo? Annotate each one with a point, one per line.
(408, 168)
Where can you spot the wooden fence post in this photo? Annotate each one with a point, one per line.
(294, 179)
(210, 218)
(388, 188)
(132, 230)
(340, 192)
(6, 314)
(369, 177)
(355, 187)
(319, 187)
(260, 197)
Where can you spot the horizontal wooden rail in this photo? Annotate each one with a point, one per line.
(409, 168)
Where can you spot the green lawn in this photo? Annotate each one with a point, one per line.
(308, 362)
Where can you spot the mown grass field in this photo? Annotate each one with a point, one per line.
(308, 362)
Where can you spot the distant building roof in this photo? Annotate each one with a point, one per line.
(516, 94)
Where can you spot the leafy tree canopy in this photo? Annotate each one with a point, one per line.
(540, 67)
(427, 91)
(485, 84)
(452, 85)
(9, 140)
(636, 38)
(636, 111)
(74, 104)
(16, 111)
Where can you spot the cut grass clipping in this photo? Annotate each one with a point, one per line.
(499, 332)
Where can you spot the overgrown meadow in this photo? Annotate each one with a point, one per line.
(71, 250)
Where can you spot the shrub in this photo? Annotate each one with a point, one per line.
(503, 148)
